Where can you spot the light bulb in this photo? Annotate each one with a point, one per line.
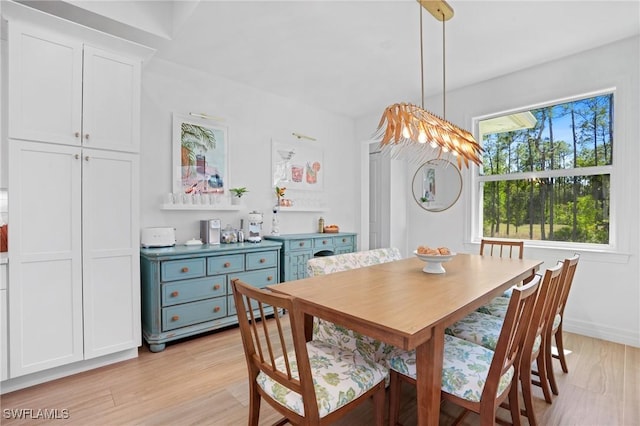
(433, 144)
(405, 132)
(422, 137)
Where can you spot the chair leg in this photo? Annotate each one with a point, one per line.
(548, 361)
(525, 381)
(542, 374)
(514, 404)
(394, 397)
(254, 405)
(560, 346)
(378, 404)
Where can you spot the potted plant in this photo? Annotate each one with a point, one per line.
(237, 194)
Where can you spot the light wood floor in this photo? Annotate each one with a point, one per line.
(203, 381)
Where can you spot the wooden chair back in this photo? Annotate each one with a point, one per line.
(569, 271)
(502, 248)
(512, 336)
(265, 341)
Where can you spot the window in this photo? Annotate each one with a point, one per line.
(546, 172)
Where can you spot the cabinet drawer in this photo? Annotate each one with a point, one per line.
(225, 264)
(172, 270)
(301, 244)
(193, 313)
(233, 311)
(261, 278)
(345, 240)
(323, 243)
(262, 260)
(190, 290)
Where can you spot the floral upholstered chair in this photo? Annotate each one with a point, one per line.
(307, 382)
(373, 350)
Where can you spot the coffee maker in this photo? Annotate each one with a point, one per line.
(255, 227)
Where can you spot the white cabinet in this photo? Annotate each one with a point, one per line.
(64, 91)
(75, 264)
(74, 281)
(4, 355)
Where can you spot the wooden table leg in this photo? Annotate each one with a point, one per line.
(429, 378)
(308, 327)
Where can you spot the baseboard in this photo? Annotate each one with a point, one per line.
(33, 379)
(625, 337)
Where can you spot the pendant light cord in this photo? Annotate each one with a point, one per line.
(421, 58)
(444, 74)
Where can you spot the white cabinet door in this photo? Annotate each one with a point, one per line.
(63, 91)
(4, 353)
(45, 90)
(111, 101)
(45, 277)
(111, 249)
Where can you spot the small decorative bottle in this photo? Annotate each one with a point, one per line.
(275, 222)
(321, 225)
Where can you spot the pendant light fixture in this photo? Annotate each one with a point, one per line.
(409, 128)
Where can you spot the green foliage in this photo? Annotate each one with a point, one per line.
(239, 192)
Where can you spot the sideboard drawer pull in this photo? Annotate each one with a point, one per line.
(262, 260)
(175, 318)
(324, 241)
(301, 243)
(344, 240)
(185, 269)
(216, 287)
(269, 278)
(226, 264)
(216, 309)
(174, 294)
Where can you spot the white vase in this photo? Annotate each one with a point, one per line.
(236, 200)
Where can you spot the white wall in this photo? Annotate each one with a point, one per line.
(605, 299)
(253, 117)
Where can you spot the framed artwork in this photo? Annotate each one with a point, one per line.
(200, 156)
(297, 165)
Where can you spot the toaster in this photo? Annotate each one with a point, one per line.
(158, 237)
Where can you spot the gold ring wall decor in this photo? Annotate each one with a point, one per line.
(437, 185)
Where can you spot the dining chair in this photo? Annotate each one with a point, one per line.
(310, 383)
(336, 334)
(502, 248)
(555, 329)
(474, 377)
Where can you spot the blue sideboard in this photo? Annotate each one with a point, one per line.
(298, 248)
(186, 290)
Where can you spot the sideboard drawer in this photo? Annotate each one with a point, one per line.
(172, 270)
(267, 259)
(345, 240)
(323, 243)
(261, 278)
(190, 290)
(193, 313)
(301, 244)
(226, 264)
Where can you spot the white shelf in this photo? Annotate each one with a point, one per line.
(212, 207)
(301, 209)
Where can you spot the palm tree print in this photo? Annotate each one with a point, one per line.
(194, 138)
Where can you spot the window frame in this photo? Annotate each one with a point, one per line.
(475, 199)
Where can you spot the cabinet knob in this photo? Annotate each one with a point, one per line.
(324, 241)
(86, 136)
(344, 240)
(301, 244)
(76, 134)
(86, 158)
(216, 309)
(216, 287)
(263, 260)
(227, 264)
(77, 156)
(185, 269)
(174, 294)
(270, 278)
(175, 318)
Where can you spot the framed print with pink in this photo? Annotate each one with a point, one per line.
(297, 165)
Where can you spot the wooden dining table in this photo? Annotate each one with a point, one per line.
(399, 304)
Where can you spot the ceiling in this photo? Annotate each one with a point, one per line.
(355, 57)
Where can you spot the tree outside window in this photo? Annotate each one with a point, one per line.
(546, 172)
